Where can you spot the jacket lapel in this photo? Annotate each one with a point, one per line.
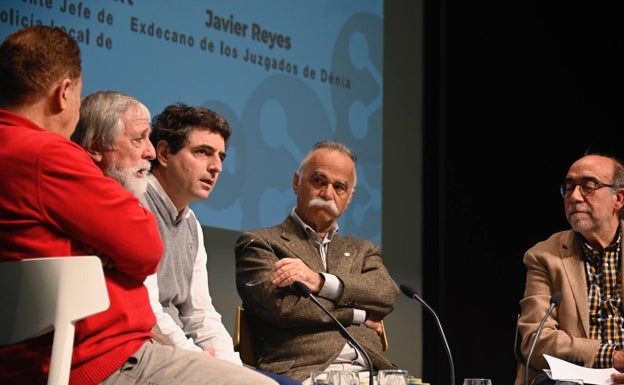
(339, 257)
(574, 269)
(296, 240)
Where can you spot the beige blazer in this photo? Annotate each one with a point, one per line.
(294, 336)
(556, 264)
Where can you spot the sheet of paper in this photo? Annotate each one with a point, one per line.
(563, 370)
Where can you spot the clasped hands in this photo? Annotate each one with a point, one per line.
(288, 270)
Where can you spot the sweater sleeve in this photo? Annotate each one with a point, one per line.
(78, 199)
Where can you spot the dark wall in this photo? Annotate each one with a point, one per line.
(514, 92)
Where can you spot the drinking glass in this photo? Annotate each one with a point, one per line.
(319, 377)
(392, 377)
(477, 381)
(344, 377)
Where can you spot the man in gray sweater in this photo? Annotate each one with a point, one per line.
(190, 144)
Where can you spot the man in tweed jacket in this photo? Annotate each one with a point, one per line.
(347, 275)
(585, 265)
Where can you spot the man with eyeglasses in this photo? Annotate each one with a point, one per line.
(585, 265)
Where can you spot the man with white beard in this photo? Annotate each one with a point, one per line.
(114, 128)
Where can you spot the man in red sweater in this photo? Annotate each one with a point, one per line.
(55, 201)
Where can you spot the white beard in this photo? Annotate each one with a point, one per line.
(128, 178)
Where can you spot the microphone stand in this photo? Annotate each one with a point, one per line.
(411, 293)
(305, 291)
(554, 301)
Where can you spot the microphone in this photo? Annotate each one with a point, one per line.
(554, 301)
(411, 293)
(303, 290)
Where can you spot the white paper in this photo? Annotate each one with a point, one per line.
(563, 370)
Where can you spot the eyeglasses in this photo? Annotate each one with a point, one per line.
(587, 187)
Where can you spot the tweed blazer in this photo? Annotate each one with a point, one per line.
(556, 264)
(293, 335)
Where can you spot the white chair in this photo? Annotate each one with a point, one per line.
(39, 295)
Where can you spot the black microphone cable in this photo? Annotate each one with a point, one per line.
(304, 291)
(411, 293)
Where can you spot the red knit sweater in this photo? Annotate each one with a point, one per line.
(55, 201)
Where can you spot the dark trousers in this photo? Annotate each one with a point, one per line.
(282, 380)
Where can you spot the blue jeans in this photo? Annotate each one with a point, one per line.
(282, 380)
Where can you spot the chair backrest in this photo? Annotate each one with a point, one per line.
(244, 341)
(39, 295)
(384, 337)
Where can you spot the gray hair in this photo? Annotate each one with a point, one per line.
(618, 179)
(329, 145)
(101, 118)
(618, 171)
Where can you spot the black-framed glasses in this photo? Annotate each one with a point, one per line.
(587, 187)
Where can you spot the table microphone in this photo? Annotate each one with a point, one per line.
(304, 291)
(554, 301)
(411, 293)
